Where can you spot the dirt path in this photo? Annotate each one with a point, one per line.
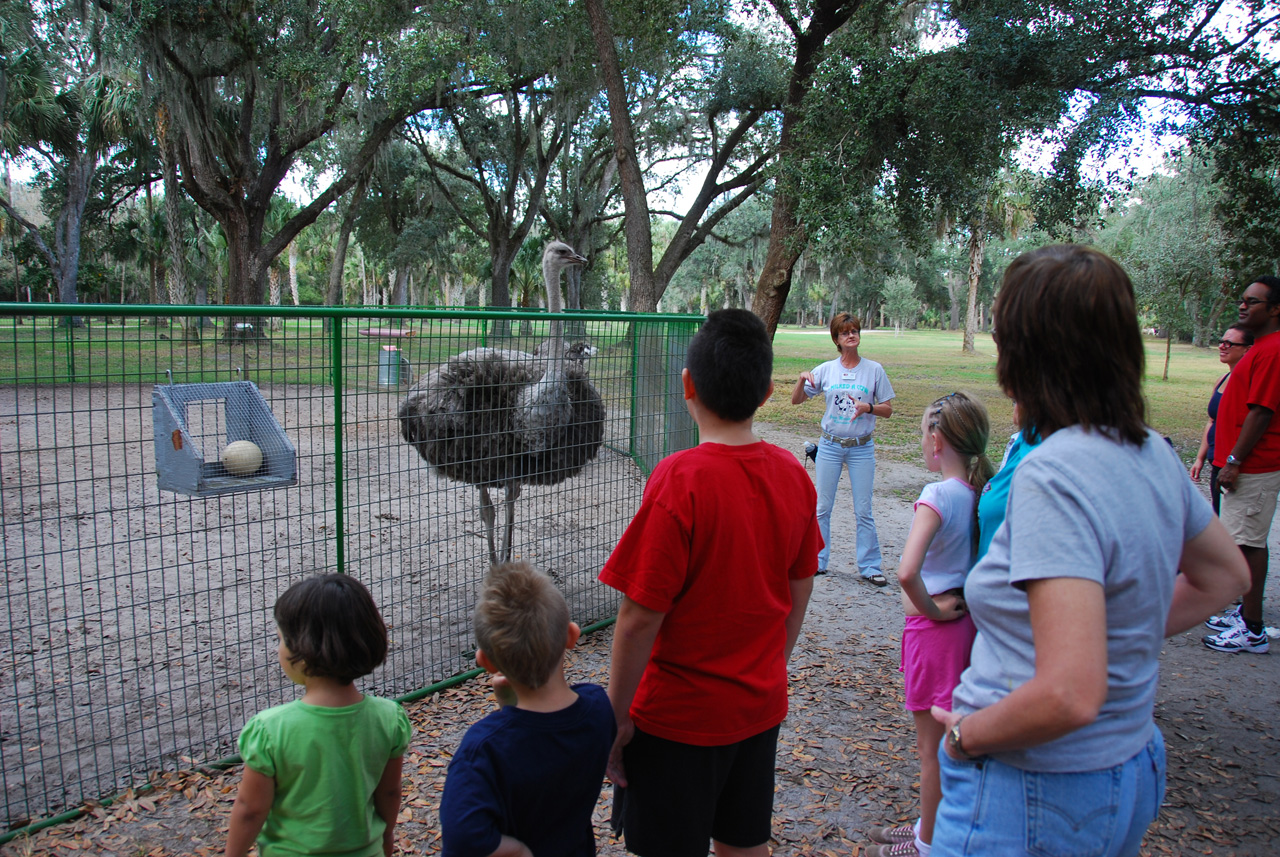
(846, 755)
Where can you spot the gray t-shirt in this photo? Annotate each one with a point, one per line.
(1088, 507)
(866, 382)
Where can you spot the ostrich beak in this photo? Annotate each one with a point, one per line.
(575, 259)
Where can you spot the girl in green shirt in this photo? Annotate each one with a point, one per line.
(322, 773)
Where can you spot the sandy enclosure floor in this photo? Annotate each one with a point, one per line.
(136, 623)
(846, 756)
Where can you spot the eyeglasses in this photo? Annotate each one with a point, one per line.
(1248, 301)
(1227, 343)
(851, 333)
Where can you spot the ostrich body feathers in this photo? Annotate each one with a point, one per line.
(491, 417)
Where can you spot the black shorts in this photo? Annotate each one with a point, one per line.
(680, 796)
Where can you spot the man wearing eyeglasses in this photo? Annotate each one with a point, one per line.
(1247, 448)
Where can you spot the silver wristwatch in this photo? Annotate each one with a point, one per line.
(1231, 459)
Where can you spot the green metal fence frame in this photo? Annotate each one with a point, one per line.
(64, 336)
(338, 314)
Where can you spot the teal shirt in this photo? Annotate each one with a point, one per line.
(326, 763)
(995, 494)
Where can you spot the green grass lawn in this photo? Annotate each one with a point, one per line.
(924, 365)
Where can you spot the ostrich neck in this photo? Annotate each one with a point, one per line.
(551, 277)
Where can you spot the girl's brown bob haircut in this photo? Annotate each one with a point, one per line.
(843, 322)
(1070, 351)
(330, 624)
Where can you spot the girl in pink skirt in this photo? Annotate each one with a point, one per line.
(938, 634)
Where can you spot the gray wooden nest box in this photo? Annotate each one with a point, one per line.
(194, 423)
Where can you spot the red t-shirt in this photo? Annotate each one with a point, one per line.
(721, 532)
(1254, 381)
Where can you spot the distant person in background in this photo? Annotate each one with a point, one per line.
(1247, 453)
(1236, 340)
(857, 391)
(1051, 746)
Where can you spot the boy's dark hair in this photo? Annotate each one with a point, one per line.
(1070, 351)
(330, 624)
(521, 623)
(731, 362)
(1273, 287)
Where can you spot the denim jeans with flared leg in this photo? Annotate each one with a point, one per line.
(861, 462)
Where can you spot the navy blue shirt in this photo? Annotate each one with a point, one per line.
(530, 775)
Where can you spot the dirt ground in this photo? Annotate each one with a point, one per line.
(846, 755)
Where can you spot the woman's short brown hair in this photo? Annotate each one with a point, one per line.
(1070, 350)
(843, 322)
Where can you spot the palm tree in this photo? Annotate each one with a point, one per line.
(66, 107)
(1004, 210)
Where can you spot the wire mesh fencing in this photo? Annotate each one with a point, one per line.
(142, 552)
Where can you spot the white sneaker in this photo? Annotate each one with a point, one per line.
(1238, 639)
(1226, 621)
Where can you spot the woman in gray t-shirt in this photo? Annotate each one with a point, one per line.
(857, 392)
(1051, 742)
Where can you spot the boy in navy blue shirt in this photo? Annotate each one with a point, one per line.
(526, 778)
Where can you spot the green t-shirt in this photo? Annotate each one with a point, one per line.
(326, 763)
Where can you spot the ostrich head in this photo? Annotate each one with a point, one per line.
(555, 258)
(580, 351)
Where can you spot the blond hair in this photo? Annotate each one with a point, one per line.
(962, 420)
(521, 623)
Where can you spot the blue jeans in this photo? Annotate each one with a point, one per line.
(861, 461)
(991, 808)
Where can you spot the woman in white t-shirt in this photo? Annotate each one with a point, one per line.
(857, 391)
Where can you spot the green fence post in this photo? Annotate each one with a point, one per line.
(635, 385)
(335, 333)
(71, 351)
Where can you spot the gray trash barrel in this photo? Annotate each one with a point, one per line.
(389, 366)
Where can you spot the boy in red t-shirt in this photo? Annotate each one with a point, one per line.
(716, 570)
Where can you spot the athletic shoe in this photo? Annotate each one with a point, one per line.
(1226, 621)
(876, 579)
(1238, 639)
(896, 849)
(890, 835)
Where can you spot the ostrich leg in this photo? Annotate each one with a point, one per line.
(487, 515)
(510, 495)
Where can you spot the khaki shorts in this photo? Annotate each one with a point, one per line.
(1248, 510)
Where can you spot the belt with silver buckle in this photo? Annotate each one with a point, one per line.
(847, 442)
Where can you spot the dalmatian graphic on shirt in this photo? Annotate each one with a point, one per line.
(844, 388)
(844, 407)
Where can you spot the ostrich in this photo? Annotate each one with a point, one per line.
(497, 418)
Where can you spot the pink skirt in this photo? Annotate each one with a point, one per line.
(933, 656)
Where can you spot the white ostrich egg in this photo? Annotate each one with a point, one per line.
(242, 458)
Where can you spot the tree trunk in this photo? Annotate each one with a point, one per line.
(977, 244)
(953, 296)
(293, 271)
(787, 237)
(273, 278)
(246, 273)
(67, 230)
(1168, 348)
(177, 268)
(643, 295)
(400, 287)
(334, 294)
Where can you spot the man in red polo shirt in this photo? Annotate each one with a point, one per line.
(1248, 451)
